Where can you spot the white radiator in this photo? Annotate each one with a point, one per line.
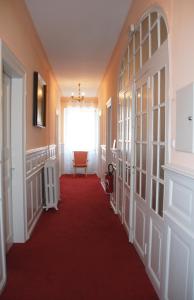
(51, 183)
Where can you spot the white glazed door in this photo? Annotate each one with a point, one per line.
(127, 203)
(157, 151)
(6, 157)
(120, 155)
(140, 166)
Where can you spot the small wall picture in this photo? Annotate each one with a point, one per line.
(39, 101)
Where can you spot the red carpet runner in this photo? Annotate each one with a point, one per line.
(80, 252)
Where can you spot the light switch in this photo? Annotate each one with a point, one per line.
(184, 119)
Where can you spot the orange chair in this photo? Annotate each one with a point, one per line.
(80, 160)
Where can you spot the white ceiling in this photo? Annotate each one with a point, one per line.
(79, 37)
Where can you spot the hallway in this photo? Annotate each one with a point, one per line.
(80, 252)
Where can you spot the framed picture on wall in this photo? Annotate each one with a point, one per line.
(39, 101)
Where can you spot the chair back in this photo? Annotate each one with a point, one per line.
(80, 157)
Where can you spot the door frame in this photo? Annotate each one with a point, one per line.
(12, 66)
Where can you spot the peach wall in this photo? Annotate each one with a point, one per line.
(17, 31)
(180, 22)
(65, 102)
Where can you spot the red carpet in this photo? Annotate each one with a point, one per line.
(80, 252)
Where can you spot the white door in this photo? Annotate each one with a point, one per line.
(140, 166)
(149, 176)
(6, 159)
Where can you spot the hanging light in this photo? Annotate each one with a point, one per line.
(80, 95)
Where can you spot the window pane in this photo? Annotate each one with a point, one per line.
(154, 16)
(138, 128)
(137, 62)
(162, 85)
(163, 31)
(155, 125)
(162, 124)
(144, 127)
(161, 199)
(153, 194)
(137, 39)
(154, 168)
(137, 181)
(131, 50)
(138, 155)
(154, 39)
(138, 101)
(126, 76)
(144, 27)
(145, 51)
(144, 98)
(155, 93)
(144, 156)
(131, 69)
(143, 185)
(162, 160)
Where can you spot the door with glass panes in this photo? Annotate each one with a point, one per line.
(127, 140)
(150, 105)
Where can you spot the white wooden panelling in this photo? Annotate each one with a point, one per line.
(126, 208)
(180, 201)
(139, 235)
(178, 275)
(35, 160)
(155, 252)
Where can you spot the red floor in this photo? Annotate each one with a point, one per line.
(80, 252)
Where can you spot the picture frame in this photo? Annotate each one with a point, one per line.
(39, 101)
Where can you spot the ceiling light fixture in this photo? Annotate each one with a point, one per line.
(80, 95)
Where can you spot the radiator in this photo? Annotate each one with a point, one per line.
(51, 184)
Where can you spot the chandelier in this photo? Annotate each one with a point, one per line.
(80, 95)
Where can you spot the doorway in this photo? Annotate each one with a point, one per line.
(12, 147)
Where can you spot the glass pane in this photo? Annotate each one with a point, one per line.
(144, 156)
(126, 76)
(153, 194)
(162, 124)
(163, 31)
(144, 127)
(137, 62)
(155, 125)
(137, 182)
(162, 85)
(154, 39)
(138, 155)
(162, 160)
(137, 39)
(138, 101)
(131, 69)
(138, 129)
(131, 50)
(155, 93)
(145, 51)
(143, 185)
(154, 16)
(161, 199)
(154, 169)
(129, 152)
(145, 26)
(129, 176)
(126, 58)
(144, 98)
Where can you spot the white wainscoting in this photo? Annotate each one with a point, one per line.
(179, 234)
(35, 160)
